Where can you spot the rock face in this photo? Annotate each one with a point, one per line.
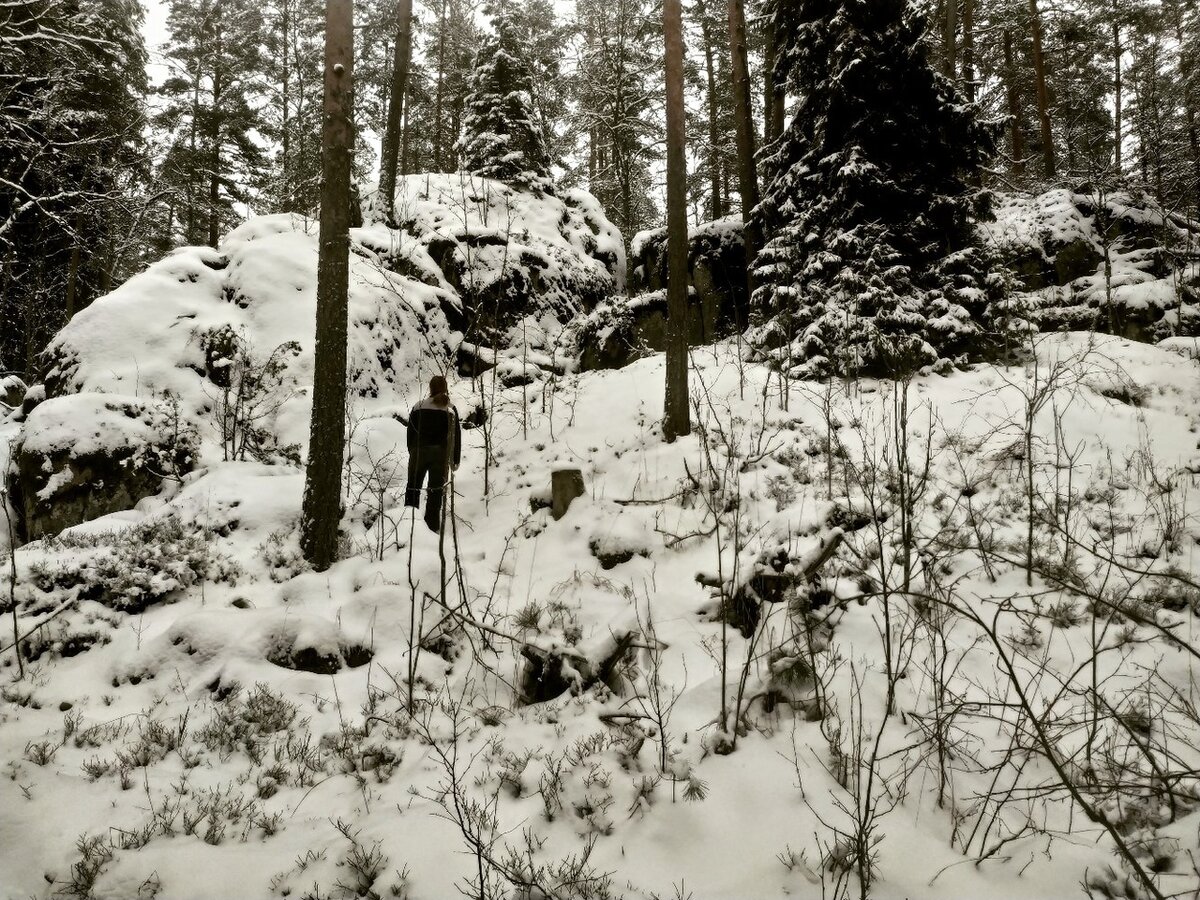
(628, 328)
(1099, 260)
(716, 272)
(87, 455)
(510, 254)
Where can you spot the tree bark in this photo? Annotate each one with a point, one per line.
(399, 87)
(968, 49)
(1016, 134)
(676, 419)
(949, 40)
(1186, 76)
(214, 175)
(322, 481)
(714, 135)
(743, 113)
(1043, 94)
(439, 90)
(73, 267)
(773, 94)
(1116, 48)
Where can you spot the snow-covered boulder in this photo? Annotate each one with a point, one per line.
(511, 254)
(1056, 245)
(86, 455)
(12, 391)
(623, 329)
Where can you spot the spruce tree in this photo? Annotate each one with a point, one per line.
(872, 195)
(502, 136)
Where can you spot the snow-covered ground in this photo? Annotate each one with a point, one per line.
(259, 730)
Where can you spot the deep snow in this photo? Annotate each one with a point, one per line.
(265, 806)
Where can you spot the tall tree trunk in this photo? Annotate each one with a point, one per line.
(214, 175)
(399, 87)
(1016, 134)
(968, 48)
(322, 479)
(743, 113)
(1186, 76)
(949, 40)
(438, 127)
(676, 414)
(1043, 94)
(714, 135)
(286, 191)
(773, 98)
(73, 267)
(1116, 49)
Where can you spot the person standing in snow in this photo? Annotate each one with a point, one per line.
(434, 446)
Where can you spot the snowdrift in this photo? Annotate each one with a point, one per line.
(209, 718)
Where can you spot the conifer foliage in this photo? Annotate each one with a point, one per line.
(871, 196)
(502, 136)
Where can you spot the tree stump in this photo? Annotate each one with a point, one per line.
(565, 486)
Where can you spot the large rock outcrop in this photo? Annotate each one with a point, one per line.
(510, 255)
(218, 343)
(716, 272)
(1099, 259)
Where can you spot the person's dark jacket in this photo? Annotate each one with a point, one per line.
(434, 427)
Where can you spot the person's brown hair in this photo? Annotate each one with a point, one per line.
(438, 387)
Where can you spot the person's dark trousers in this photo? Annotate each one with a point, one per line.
(431, 462)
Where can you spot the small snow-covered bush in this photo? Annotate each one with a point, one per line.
(248, 724)
(250, 389)
(127, 570)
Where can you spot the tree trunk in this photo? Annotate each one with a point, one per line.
(676, 418)
(773, 94)
(949, 40)
(214, 176)
(1186, 76)
(968, 49)
(1116, 48)
(73, 267)
(322, 480)
(439, 89)
(714, 135)
(399, 87)
(1043, 95)
(1015, 133)
(743, 113)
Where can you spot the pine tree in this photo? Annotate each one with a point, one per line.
(502, 137)
(619, 95)
(871, 197)
(291, 116)
(215, 57)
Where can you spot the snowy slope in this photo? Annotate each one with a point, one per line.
(247, 733)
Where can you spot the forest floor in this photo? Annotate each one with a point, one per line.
(988, 690)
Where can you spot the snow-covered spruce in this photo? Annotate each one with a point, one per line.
(872, 262)
(502, 137)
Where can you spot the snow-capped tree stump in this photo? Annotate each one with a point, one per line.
(565, 486)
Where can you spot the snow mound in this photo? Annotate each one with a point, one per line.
(290, 640)
(162, 331)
